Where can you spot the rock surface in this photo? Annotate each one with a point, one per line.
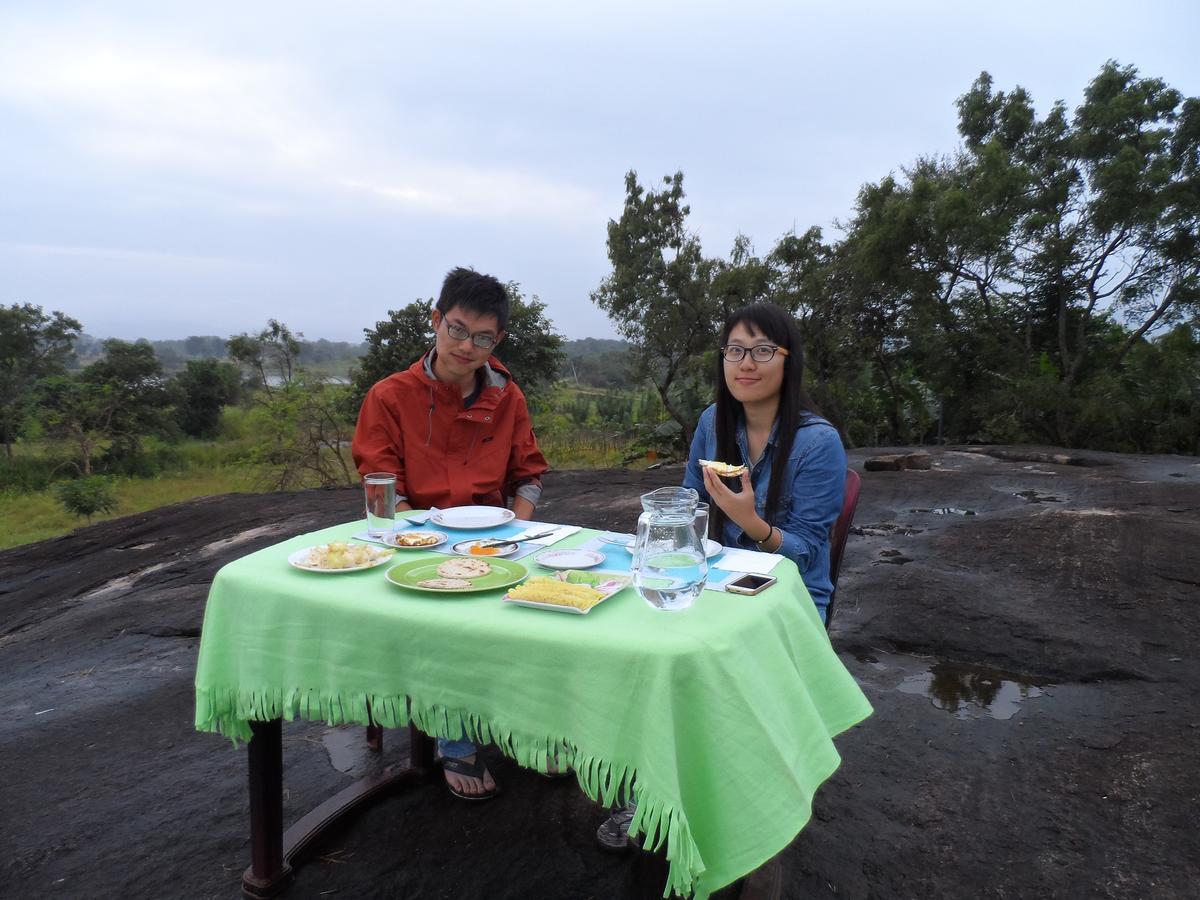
(1023, 620)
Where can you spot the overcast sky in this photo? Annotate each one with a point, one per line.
(167, 173)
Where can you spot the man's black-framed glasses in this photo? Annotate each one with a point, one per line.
(481, 339)
(763, 353)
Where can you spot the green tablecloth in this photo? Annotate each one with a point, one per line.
(720, 718)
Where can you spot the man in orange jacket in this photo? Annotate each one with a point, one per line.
(455, 430)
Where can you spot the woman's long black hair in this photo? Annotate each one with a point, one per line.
(779, 328)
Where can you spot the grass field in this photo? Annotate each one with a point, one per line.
(200, 468)
(36, 516)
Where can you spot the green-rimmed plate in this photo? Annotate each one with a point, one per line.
(504, 573)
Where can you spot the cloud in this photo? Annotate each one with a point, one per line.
(141, 104)
(116, 254)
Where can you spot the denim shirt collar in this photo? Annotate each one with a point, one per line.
(743, 442)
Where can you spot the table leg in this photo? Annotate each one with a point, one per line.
(273, 851)
(374, 733)
(268, 873)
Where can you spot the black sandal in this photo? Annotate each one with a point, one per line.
(613, 833)
(475, 769)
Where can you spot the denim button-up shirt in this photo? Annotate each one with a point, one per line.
(810, 499)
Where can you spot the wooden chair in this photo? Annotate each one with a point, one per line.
(837, 537)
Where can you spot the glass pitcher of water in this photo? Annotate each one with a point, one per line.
(669, 567)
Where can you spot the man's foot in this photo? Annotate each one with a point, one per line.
(613, 833)
(469, 779)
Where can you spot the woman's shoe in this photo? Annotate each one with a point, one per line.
(613, 833)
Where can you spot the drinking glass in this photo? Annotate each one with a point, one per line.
(700, 523)
(380, 491)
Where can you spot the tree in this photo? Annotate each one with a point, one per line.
(203, 389)
(305, 426)
(80, 413)
(86, 496)
(998, 274)
(33, 346)
(131, 376)
(305, 421)
(118, 399)
(658, 294)
(393, 345)
(271, 354)
(532, 349)
(807, 277)
(1109, 231)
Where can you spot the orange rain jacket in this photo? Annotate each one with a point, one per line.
(442, 453)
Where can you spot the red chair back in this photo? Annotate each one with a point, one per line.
(837, 537)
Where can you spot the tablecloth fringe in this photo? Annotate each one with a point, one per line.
(230, 711)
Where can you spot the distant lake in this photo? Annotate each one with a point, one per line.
(277, 380)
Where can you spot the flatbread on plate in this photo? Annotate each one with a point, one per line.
(415, 539)
(444, 584)
(464, 567)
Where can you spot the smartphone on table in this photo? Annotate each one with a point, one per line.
(750, 584)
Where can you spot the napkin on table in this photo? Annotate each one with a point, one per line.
(753, 561)
(562, 531)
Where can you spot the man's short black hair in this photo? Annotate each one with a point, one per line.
(474, 292)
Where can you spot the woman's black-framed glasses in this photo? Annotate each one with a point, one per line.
(480, 339)
(763, 353)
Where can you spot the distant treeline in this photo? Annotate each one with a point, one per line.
(173, 354)
(590, 362)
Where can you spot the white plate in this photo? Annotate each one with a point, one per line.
(463, 548)
(577, 558)
(608, 587)
(390, 538)
(467, 517)
(711, 548)
(299, 558)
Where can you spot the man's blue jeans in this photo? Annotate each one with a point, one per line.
(459, 749)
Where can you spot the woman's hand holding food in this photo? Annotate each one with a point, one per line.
(738, 507)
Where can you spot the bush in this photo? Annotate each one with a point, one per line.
(86, 496)
(29, 473)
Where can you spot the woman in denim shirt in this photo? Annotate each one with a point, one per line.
(792, 493)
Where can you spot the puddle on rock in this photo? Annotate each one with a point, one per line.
(1037, 497)
(946, 511)
(347, 749)
(883, 529)
(964, 691)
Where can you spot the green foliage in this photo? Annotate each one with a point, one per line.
(33, 346)
(114, 402)
(303, 427)
(1040, 284)
(25, 472)
(532, 349)
(595, 362)
(131, 377)
(271, 355)
(86, 496)
(659, 295)
(203, 389)
(393, 345)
